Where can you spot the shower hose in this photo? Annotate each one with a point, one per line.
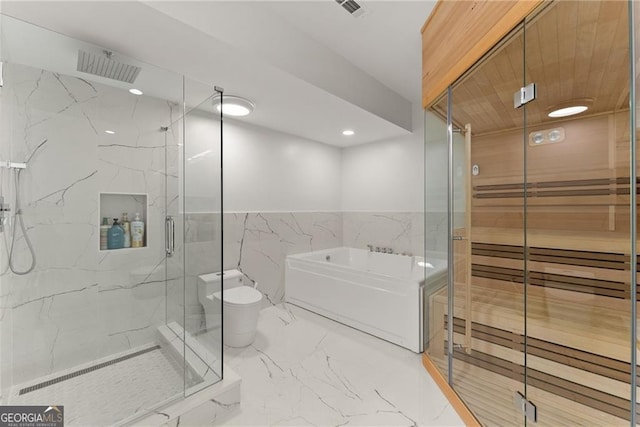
(19, 218)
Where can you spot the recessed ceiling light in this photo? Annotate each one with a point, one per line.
(348, 132)
(568, 111)
(232, 105)
(135, 92)
(110, 132)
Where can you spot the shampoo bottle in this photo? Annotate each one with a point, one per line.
(137, 232)
(115, 236)
(104, 231)
(126, 227)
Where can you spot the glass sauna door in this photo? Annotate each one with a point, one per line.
(578, 214)
(487, 177)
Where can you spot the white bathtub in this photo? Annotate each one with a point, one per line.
(380, 294)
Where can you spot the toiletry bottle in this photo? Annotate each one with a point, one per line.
(126, 226)
(115, 236)
(104, 231)
(137, 232)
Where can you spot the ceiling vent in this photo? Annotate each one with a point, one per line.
(355, 9)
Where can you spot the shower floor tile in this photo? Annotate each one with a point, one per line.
(112, 393)
(304, 369)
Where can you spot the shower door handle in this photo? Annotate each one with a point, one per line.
(170, 235)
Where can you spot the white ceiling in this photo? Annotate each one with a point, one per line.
(301, 62)
(385, 42)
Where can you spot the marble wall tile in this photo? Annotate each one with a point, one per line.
(256, 244)
(80, 303)
(401, 231)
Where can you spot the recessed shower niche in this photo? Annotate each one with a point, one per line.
(114, 206)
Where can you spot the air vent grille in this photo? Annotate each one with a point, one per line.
(354, 8)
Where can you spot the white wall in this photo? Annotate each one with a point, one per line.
(437, 158)
(386, 176)
(264, 170)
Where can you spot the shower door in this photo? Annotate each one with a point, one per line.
(94, 323)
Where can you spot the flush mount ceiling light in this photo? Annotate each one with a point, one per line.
(233, 105)
(135, 92)
(568, 111)
(570, 108)
(110, 132)
(348, 132)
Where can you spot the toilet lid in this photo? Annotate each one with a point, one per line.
(240, 295)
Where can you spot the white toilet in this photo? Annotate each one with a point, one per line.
(240, 306)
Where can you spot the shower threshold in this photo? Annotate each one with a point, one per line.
(124, 387)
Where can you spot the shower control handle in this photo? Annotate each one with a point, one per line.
(170, 235)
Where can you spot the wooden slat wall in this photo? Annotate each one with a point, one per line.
(579, 184)
(458, 33)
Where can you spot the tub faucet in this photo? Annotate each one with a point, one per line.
(370, 248)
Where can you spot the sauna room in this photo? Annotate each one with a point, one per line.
(538, 205)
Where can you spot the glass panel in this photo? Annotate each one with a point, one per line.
(87, 317)
(436, 235)
(578, 214)
(202, 237)
(488, 212)
(635, 109)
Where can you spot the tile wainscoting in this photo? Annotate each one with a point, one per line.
(258, 243)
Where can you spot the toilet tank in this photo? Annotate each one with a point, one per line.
(210, 282)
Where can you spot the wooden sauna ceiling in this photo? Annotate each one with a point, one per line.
(574, 50)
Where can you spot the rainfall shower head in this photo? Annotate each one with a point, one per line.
(104, 66)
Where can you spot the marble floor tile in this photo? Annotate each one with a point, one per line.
(306, 370)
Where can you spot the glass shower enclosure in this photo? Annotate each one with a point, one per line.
(95, 312)
(537, 324)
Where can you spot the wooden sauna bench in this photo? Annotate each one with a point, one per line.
(578, 322)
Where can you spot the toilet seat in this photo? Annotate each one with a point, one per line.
(242, 296)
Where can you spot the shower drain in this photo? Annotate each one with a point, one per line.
(85, 370)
